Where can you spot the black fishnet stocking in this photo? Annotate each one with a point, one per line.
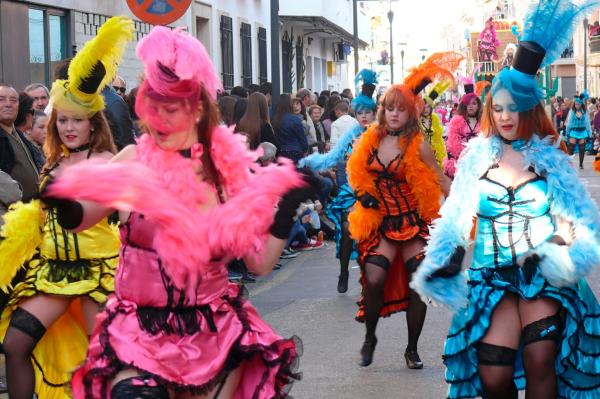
(538, 360)
(415, 318)
(20, 379)
(497, 382)
(345, 249)
(375, 276)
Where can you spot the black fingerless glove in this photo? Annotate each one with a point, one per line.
(69, 213)
(532, 261)
(453, 267)
(286, 210)
(368, 201)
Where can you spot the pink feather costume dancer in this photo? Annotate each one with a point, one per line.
(174, 318)
(459, 129)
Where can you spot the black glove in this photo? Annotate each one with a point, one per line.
(368, 201)
(453, 267)
(530, 265)
(69, 213)
(286, 210)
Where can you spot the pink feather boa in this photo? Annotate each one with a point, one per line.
(458, 136)
(163, 186)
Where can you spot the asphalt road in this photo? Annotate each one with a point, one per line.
(301, 299)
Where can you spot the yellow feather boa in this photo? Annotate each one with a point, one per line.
(21, 236)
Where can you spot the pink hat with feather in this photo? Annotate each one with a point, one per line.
(176, 67)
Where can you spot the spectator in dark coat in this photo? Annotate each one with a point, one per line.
(17, 154)
(119, 120)
(289, 130)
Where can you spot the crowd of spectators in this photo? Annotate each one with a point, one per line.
(292, 126)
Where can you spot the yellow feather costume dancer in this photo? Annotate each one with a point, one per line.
(60, 263)
(431, 125)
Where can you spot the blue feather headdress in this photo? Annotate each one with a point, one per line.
(364, 100)
(547, 31)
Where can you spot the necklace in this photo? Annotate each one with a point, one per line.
(517, 144)
(81, 148)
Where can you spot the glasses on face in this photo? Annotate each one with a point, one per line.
(121, 89)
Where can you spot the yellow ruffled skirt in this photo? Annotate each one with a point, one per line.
(64, 345)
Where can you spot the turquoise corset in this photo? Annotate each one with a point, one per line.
(511, 221)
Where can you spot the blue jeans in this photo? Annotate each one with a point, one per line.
(297, 233)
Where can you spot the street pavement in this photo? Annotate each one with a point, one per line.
(301, 299)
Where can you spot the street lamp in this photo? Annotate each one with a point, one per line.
(355, 28)
(390, 15)
(585, 49)
(402, 58)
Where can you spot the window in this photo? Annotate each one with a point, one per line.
(262, 55)
(227, 51)
(47, 43)
(287, 62)
(246, 39)
(300, 66)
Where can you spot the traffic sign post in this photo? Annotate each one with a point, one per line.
(159, 12)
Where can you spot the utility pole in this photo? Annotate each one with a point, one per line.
(585, 52)
(355, 26)
(275, 67)
(391, 19)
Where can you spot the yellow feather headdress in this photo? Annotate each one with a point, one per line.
(93, 68)
(434, 94)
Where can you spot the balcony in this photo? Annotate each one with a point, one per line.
(595, 44)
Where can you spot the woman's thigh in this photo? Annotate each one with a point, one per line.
(46, 308)
(532, 311)
(505, 325)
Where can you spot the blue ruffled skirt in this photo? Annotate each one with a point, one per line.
(336, 211)
(578, 357)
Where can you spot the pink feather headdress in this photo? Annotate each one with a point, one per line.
(176, 67)
(468, 83)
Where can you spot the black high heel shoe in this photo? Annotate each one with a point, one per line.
(366, 352)
(413, 361)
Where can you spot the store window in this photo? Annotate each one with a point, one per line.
(47, 43)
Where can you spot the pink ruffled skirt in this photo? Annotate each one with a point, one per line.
(189, 349)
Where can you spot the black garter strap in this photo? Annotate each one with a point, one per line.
(547, 329)
(378, 260)
(27, 323)
(495, 355)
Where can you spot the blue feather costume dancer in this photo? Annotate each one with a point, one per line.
(337, 210)
(517, 253)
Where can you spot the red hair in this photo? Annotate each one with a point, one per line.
(401, 96)
(533, 121)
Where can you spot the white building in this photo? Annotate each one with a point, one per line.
(316, 39)
(36, 34)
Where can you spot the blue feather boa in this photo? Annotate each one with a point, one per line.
(569, 200)
(320, 162)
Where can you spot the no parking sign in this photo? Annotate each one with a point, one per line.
(158, 12)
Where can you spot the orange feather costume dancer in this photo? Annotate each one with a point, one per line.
(397, 199)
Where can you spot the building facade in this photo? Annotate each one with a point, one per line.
(315, 39)
(36, 35)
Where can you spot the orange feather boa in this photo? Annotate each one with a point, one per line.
(422, 179)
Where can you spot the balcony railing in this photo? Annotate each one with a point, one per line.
(486, 67)
(595, 44)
